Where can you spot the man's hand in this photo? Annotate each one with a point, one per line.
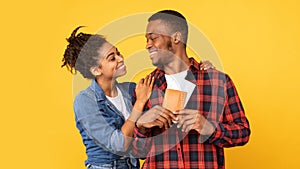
(192, 119)
(156, 116)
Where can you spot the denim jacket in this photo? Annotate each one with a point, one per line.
(99, 123)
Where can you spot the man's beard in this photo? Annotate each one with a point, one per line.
(167, 53)
(169, 45)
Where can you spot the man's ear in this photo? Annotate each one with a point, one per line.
(95, 70)
(177, 37)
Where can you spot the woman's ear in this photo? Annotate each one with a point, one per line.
(177, 37)
(95, 70)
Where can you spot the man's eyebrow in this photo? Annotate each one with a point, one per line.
(149, 34)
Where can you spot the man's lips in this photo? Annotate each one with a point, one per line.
(152, 53)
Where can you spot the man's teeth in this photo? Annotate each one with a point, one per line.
(153, 52)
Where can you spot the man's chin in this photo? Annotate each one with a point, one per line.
(158, 65)
(155, 63)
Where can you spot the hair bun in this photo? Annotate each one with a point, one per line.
(72, 38)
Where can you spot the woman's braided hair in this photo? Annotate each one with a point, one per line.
(82, 52)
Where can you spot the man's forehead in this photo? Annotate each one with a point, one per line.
(157, 27)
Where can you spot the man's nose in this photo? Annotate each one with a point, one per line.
(149, 44)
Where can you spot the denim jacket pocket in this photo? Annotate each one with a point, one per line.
(103, 166)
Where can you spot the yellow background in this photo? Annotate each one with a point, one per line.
(257, 41)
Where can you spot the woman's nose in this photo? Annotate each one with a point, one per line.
(120, 58)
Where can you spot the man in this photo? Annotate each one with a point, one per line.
(212, 118)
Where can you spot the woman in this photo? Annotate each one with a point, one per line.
(104, 113)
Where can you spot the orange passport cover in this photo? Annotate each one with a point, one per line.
(174, 99)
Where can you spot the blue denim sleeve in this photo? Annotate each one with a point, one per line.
(98, 125)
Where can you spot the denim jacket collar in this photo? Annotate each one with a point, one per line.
(102, 99)
(100, 95)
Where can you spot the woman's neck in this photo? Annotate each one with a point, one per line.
(108, 86)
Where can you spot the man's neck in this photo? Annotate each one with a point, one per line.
(179, 64)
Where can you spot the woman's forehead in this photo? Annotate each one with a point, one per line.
(105, 49)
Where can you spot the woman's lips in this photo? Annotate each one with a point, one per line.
(121, 67)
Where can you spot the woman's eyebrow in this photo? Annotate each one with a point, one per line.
(111, 53)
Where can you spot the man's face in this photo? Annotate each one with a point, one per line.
(159, 43)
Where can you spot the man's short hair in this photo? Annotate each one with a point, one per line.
(174, 20)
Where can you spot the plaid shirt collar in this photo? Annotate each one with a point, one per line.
(194, 68)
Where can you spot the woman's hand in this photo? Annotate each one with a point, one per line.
(144, 88)
(143, 92)
(206, 65)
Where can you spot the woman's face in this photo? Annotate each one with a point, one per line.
(111, 62)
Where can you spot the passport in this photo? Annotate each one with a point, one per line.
(174, 100)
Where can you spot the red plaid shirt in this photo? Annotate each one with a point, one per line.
(216, 98)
